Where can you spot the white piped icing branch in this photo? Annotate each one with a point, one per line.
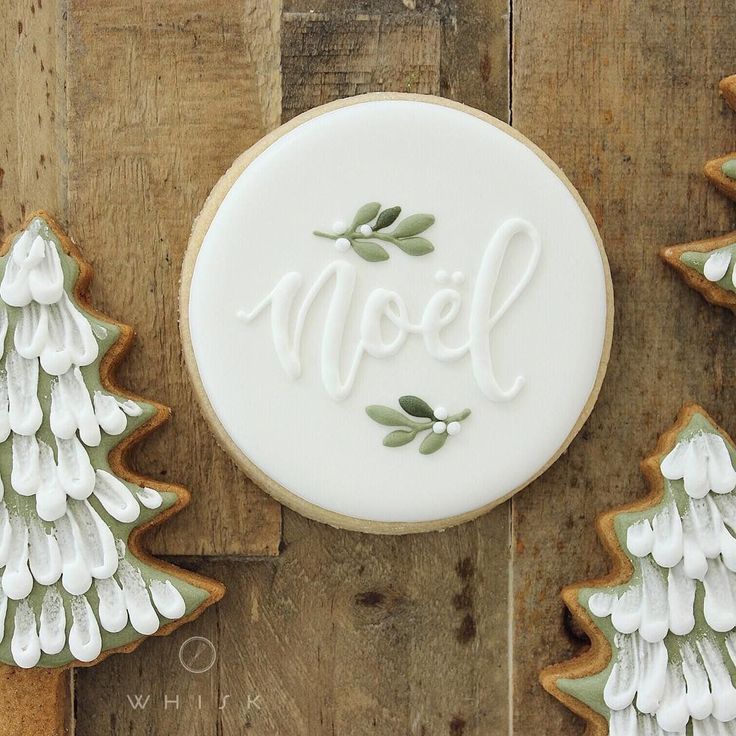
(65, 540)
(703, 463)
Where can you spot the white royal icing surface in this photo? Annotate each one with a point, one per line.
(664, 684)
(56, 536)
(293, 339)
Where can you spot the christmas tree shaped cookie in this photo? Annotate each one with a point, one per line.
(662, 624)
(708, 265)
(75, 582)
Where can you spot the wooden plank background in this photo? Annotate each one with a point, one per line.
(118, 117)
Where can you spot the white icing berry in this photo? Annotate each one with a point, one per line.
(440, 413)
(441, 277)
(342, 244)
(439, 427)
(454, 428)
(339, 227)
(458, 278)
(365, 230)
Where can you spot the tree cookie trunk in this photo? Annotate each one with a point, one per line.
(35, 702)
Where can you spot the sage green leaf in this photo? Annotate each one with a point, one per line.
(432, 442)
(415, 246)
(413, 225)
(369, 251)
(386, 416)
(416, 407)
(387, 217)
(365, 214)
(398, 437)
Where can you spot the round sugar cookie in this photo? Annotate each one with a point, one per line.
(396, 312)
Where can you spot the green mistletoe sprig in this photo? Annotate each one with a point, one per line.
(437, 423)
(365, 229)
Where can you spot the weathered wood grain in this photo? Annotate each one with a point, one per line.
(161, 98)
(342, 633)
(624, 96)
(326, 56)
(32, 124)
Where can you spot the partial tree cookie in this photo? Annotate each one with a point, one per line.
(707, 265)
(77, 583)
(662, 622)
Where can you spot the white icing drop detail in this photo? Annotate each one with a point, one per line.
(680, 599)
(723, 692)
(717, 264)
(100, 332)
(17, 581)
(620, 689)
(601, 604)
(703, 462)
(698, 696)
(50, 496)
(95, 539)
(71, 409)
(652, 671)
(143, 617)
(654, 614)
(112, 611)
(76, 576)
(85, 642)
(440, 311)
(25, 475)
(626, 614)
(130, 408)
(703, 521)
(33, 271)
(57, 334)
(109, 413)
(44, 555)
(167, 599)
(149, 498)
(25, 646)
(75, 471)
(719, 606)
(672, 713)
(668, 546)
(24, 414)
(52, 629)
(640, 538)
(115, 497)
